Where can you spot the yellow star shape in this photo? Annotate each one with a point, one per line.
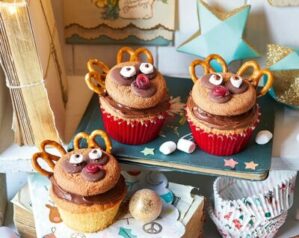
(148, 151)
(251, 165)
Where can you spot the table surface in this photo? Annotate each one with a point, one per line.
(289, 229)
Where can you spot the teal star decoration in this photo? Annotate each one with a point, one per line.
(148, 151)
(220, 33)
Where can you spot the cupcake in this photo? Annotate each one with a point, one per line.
(222, 110)
(87, 186)
(133, 96)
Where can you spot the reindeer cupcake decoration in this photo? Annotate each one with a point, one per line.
(87, 186)
(133, 96)
(222, 110)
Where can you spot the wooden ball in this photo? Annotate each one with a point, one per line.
(145, 205)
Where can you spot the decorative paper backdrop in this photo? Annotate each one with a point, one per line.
(149, 22)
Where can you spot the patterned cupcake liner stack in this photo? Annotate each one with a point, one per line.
(245, 207)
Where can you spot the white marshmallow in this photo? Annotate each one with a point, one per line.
(146, 68)
(167, 147)
(216, 79)
(236, 81)
(263, 137)
(76, 159)
(128, 71)
(95, 154)
(297, 137)
(186, 146)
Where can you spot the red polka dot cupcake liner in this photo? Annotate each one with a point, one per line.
(221, 145)
(132, 132)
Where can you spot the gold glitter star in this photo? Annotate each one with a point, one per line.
(251, 165)
(148, 151)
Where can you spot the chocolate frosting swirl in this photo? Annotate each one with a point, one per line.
(223, 122)
(111, 196)
(133, 112)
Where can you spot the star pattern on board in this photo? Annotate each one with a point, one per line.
(220, 33)
(230, 163)
(148, 151)
(251, 165)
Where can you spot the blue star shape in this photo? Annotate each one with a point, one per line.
(220, 34)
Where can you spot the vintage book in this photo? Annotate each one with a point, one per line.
(25, 77)
(198, 161)
(35, 74)
(191, 207)
(3, 198)
(22, 213)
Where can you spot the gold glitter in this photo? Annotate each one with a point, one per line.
(275, 53)
(286, 86)
(286, 83)
(222, 15)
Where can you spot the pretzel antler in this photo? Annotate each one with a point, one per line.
(256, 75)
(95, 80)
(91, 140)
(134, 55)
(206, 64)
(47, 157)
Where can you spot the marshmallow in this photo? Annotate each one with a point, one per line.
(128, 71)
(146, 68)
(236, 81)
(95, 154)
(263, 137)
(216, 79)
(167, 147)
(76, 159)
(186, 146)
(297, 138)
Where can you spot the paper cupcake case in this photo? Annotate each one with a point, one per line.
(221, 144)
(133, 132)
(244, 204)
(265, 229)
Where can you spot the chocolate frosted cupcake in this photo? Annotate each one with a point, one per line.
(133, 96)
(222, 109)
(87, 186)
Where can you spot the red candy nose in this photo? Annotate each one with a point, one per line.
(220, 91)
(93, 168)
(142, 81)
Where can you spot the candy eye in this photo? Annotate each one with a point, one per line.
(128, 71)
(216, 79)
(76, 159)
(95, 154)
(236, 81)
(146, 68)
